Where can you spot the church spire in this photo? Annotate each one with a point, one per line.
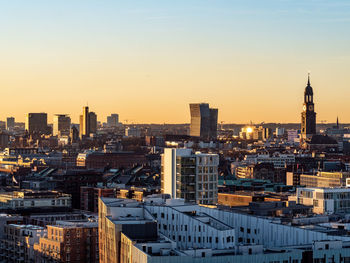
(308, 79)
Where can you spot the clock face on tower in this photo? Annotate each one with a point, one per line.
(311, 108)
(304, 107)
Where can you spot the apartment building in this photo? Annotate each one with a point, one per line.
(191, 176)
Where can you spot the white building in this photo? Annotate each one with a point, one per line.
(191, 176)
(325, 200)
(187, 233)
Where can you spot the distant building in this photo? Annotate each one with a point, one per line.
(243, 198)
(4, 139)
(74, 134)
(89, 197)
(132, 132)
(325, 200)
(93, 122)
(113, 120)
(61, 125)
(36, 123)
(27, 199)
(88, 123)
(10, 123)
(321, 179)
(280, 132)
(277, 159)
(292, 136)
(95, 160)
(254, 133)
(191, 176)
(203, 121)
(265, 171)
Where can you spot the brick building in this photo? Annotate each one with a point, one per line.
(69, 241)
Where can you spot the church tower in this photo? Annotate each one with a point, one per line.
(308, 116)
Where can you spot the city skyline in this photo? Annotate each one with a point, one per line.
(148, 61)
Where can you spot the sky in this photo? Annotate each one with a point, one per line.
(148, 59)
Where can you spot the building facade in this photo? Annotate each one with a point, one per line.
(325, 200)
(61, 125)
(203, 121)
(113, 120)
(191, 176)
(75, 241)
(36, 123)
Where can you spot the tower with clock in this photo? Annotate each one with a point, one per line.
(308, 116)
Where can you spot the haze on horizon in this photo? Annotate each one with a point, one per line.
(147, 60)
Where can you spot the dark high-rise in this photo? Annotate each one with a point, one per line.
(203, 121)
(308, 116)
(36, 123)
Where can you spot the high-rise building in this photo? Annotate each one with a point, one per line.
(88, 122)
(36, 123)
(308, 116)
(191, 176)
(10, 123)
(61, 124)
(92, 122)
(203, 121)
(113, 120)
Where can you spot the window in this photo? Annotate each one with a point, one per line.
(241, 229)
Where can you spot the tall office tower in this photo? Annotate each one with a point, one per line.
(92, 122)
(308, 116)
(10, 123)
(113, 120)
(203, 121)
(191, 176)
(61, 124)
(74, 134)
(88, 122)
(36, 123)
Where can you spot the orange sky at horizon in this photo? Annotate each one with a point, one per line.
(147, 62)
